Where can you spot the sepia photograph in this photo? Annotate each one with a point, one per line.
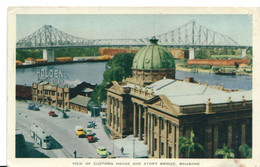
(132, 87)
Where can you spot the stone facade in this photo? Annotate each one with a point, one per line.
(159, 111)
(160, 124)
(50, 94)
(146, 77)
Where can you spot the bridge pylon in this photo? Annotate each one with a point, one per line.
(243, 52)
(191, 53)
(48, 54)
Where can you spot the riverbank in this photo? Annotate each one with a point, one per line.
(196, 70)
(58, 63)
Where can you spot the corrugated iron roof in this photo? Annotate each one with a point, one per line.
(80, 100)
(185, 93)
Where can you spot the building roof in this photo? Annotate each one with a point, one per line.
(80, 100)
(29, 58)
(40, 60)
(87, 90)
(217, 62)
(185, 93)
(153, 57)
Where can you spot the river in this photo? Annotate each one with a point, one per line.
(92, 72)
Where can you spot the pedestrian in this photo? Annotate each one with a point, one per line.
(122, 150)
(75, 154)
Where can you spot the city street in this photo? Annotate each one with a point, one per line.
(64, 140)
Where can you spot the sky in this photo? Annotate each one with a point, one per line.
(238, 27)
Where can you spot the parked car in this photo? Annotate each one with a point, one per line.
(102, 151)
(36, 108)
(91, 124)
(53, 114)
(79, 131)
(91, 138)
(88, 131)
(31, 106)
(103, 115)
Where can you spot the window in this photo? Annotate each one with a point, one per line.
(155, 121)
(162, 124)
(170, 152)
(170, 127)
(155, 144)
(162, 148)
(58, 93)
(61, 94)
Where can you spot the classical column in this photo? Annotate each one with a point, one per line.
(152, 136)
(140, 123)
(121, 117)
(112, 112)
(215, 138)
(116, 114)
(243, 133)
(108, 110)
(177, 141)
(159, 119)
(166, 139)
(174, 154)
(135, 128)
(229, 134)
(145, 126)
(208, 142)
(148, 131)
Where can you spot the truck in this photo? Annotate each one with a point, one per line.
(79, 131)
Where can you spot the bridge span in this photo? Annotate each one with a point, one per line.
(190, 36)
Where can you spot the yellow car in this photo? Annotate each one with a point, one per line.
(102, 151)
(79, 131)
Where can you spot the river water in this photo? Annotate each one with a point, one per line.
(92, 72)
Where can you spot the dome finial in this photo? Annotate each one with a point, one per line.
(153, 40)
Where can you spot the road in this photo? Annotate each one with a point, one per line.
(65, 141)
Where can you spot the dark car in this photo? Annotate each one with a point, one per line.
(36, 108)
(53, 114)
(31, 106)
(91, 138)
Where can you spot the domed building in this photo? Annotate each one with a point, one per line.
(152, 63)
(158, 109)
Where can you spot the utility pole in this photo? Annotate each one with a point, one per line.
(133, 148)
(113, 147)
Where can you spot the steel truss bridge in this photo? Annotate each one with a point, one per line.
(189, 35)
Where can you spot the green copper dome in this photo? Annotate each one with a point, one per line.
(153, 57)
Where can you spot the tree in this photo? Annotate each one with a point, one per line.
(201, 54)
(99, 95)
(124, 60)
(245, 150)
(188, 144)
(119, 67)
(224, 152)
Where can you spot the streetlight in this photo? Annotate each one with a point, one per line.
(133, 148)
(113, 147)
(94, 109)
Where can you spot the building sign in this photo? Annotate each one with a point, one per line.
(54, 77)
